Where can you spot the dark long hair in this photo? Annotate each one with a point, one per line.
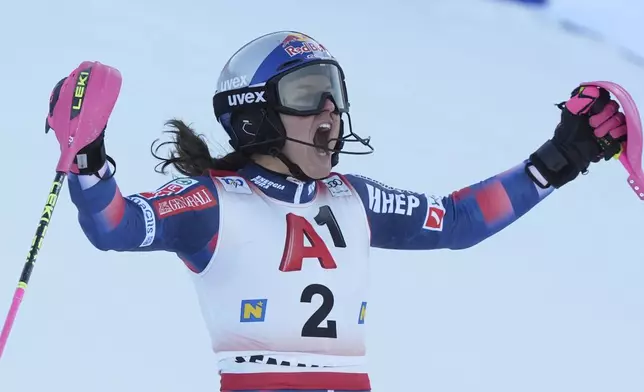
(190, 154)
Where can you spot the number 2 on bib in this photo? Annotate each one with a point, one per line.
(297, 228)
(312, 326)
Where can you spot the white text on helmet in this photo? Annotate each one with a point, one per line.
(244, 98)
(306, 47)
(236, 82)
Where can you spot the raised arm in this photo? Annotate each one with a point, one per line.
(591, 129)
(182, 217)
(402, 219)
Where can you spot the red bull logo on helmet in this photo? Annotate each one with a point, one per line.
(294, 37)
(297, 44)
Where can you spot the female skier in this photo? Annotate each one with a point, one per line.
(277, 243)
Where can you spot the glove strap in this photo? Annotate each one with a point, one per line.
(91, 158)
(553, 166)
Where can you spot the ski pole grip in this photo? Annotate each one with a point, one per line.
(631, 150)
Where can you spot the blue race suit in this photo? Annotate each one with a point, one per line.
(472, 214)
(456, 221)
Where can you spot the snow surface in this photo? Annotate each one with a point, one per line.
(618, 22)
(444, 89)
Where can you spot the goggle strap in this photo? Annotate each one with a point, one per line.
(240, 99)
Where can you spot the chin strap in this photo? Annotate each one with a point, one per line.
(295, 170)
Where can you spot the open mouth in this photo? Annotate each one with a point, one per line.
(321, 138)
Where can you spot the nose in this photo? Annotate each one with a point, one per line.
(329, 106)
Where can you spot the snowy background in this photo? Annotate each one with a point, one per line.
(554, 303)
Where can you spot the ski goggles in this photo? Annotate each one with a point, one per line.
(302, 91)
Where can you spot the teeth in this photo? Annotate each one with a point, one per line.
(324, 127)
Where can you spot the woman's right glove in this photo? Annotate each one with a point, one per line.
(92, 157)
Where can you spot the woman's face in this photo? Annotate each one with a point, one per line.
(322, 130)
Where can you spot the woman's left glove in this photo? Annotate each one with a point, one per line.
(591, 129)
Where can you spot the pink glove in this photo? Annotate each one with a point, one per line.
(79, 108)
(591, 128)
(607, 122)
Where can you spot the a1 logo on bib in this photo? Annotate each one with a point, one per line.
(336, 186)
